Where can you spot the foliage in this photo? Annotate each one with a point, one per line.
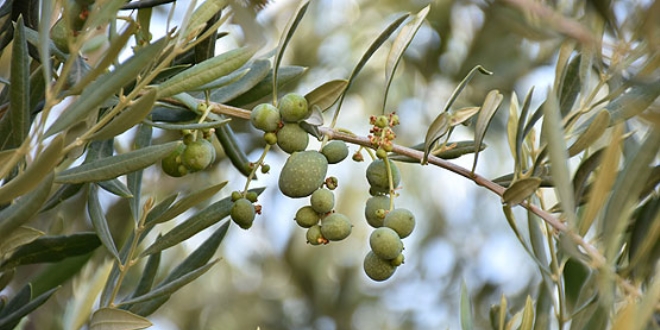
(585, 161)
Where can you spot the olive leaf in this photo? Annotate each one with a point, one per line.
(26, 207)
(51, 249)
(233, 150)
(116, 187)
(285, 75)
(112, 318)
(520, 134)
(287, 34)
(205, 72)
(399, 46)
(465, 309)
(105, 86)
(192, 126)
(527, 315)
(127, 118)
(488, 109)
(99, 222)
(637, 99)
(11, 317)
(112, 167)
(553, 135)
(203, 14)
(382, 37)
(257, 72)
(438, 128)
(186, 203)
(143, 139)
(463, 114)
(326, 95)
(570, 85)
(223, 81)
(521, 190)
(19, 89)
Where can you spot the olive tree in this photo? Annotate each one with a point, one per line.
(84, 77)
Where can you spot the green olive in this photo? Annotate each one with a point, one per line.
(335, 151)
(303, 173)
(375, 203)
(172, 163)
(336, 227)
(385, 243)
(306, 217)
(322, 201)
(378, 178)
(292, 138)
(265, 117)
(402, 221)
(243, 213)
(293, 108)
(378, 269)
(198, 155)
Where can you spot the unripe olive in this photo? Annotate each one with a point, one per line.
(371, 213)
(335, 151)
(306, 217)
(336, 227)
(236, 195)
(381, 153)
(265, 117)
(252, 196)
(303, 173)
(377, 175)
(270, 138)
(402, 221)
(398, 261)
(243, 213)
(292, 138)
(172, 163)
(265, 168)
(385, 243)
(322, 201)
(376, 268)
(293, 108)
(381, 122)
(198, 155)
(314, 236)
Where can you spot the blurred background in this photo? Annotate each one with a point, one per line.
(269, 278)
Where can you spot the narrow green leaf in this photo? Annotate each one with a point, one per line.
(19, 237)
(161, 207)
(627, 188)
(382, 37)
(521, 190)
(106, 85)
(633, 102)
(25, 208)
(488, 109)
(43, 43)
(171, 287)
(233, 150)
(576, 275)
(187, 203)
(399, 46)
(457, 91)
(203, 14)
(584, 170)
(51, 249)
(112, 167)
(223, 81)
(127, 118)
(257, 72)
(463, 114)
(570, 85)
(544, 308)
(21, 298)
(438, 128)
(19, 90)
(451, 150)
(192, 126)
(287, 34)
(205, 72)
(465, 309)
(99, 222)
(148, 275)
(11, 320)
(116, 187)
(520, 131)
(285, 75)
(593, 132)
(102, 12)
(107, 318)
(196, 223)
(528, 315)
(143, 139)
(553, 136)
(326, 95)
(195, 260)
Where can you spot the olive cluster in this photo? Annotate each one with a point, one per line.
(195, 154)
(391, 224)
(281, 124)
